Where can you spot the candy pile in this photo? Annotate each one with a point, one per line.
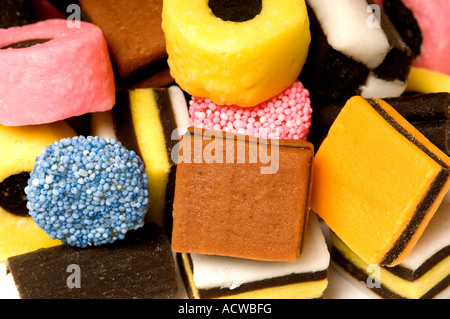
(261, 143)
(256, 71)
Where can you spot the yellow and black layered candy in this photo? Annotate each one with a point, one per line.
(149, 121)
(424, 274)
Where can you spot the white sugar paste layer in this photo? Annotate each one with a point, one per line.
(228, 272)
(346, 25)
(381, 89)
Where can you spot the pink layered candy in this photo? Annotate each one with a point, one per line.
(434, 23)
(68, 74)
(286, 116)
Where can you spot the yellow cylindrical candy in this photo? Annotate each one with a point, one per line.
(243, 63)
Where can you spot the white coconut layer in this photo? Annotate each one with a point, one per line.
(381, 89)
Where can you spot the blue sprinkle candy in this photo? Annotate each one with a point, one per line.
(78, 191)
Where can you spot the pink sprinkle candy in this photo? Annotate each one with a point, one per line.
(286, 116)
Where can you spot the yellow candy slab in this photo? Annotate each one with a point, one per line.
(377, 181)
(242, 63)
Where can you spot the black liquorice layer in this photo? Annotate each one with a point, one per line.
(235, 10)
(256, 285)
(123, 123)
(430, 196)
(429, 113)
(405, 133)
(24, 44)
(437, 132)
(332, 73)
(168, 121)
(406, 24)
(16, 13)
(398, 61)
(124, 126)
(167, 118)
(412, 275)
(138, 267)
(12, 195)
(422, 107)
(382, 290)
(328, 71)
(184, 275)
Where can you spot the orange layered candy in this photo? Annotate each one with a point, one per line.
(377, 181)
(240, 196)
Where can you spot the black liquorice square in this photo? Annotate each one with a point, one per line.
(139, 267)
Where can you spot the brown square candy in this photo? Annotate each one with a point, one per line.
(139, 267)
(240, 196)
(135, 38)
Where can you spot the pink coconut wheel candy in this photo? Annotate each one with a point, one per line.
(285, 116)
(67, 73)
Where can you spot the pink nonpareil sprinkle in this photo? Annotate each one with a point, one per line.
(286, 116)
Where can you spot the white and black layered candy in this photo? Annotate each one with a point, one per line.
(355, 50)
(213, 276)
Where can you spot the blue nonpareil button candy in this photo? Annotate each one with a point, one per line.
(87, 191)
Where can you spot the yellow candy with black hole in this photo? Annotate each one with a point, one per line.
(19, 147)
(241, 63)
